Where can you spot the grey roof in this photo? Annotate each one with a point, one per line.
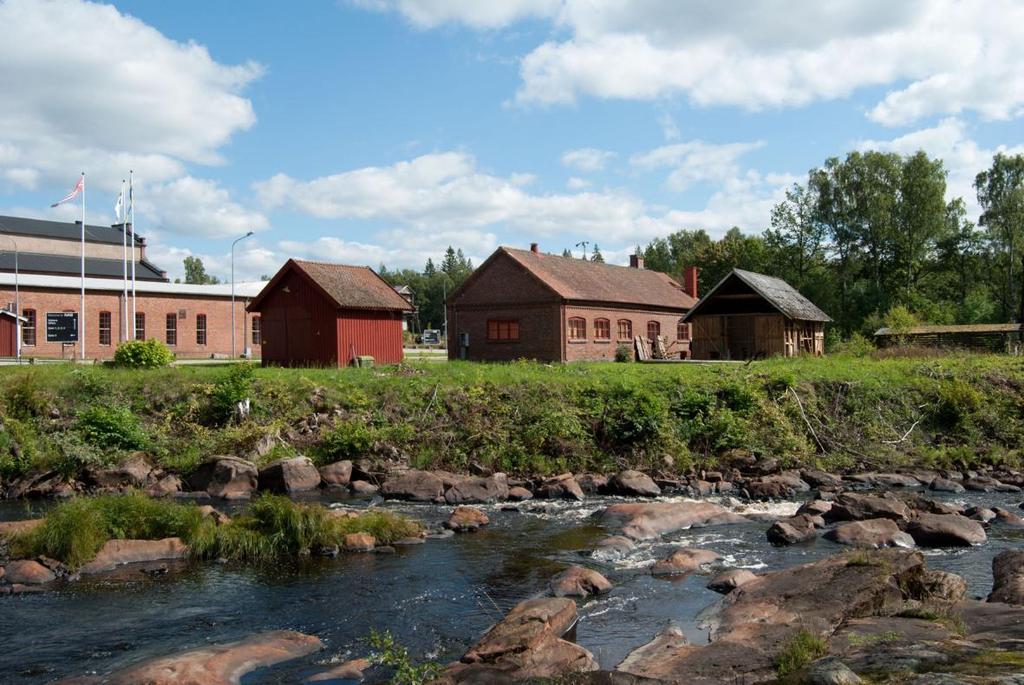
(776, 291)
(29, 262)
(955, 329)
(44, 228)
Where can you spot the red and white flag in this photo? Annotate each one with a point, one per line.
(79, 187)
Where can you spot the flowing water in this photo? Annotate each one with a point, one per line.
(436, 598)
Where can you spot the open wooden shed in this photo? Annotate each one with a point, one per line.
(749, 315)
(991, 337)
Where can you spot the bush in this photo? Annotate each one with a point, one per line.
(74, 531)
(345, 440)
(111, 428)
(143, 354)
(24, 398)
(857, 345)
(229, 391)
(388, 652)
(624, 353)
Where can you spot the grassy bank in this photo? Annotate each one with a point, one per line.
(271, 528)
(525, 418)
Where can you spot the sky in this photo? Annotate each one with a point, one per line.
(381, 131)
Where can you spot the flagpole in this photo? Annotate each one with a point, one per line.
(124, 263)
(81, 316)
(131, 210)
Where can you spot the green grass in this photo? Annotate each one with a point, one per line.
(799, 651)
(533, 419)
(272, 527)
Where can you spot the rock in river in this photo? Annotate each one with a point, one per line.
(577, 581)
(683, 561)
(648, 520)
(563, 486)
(413, 484)
(114, 553)
(612, 547)
(466, 519)
(799, 528)
(286, 476)
(633, 483)
(218, 664)
(337, 474)
(1008, 574)
(946, 530)
(727, 581)
(874, 533)
(226, 477)
(28, 572)
(478, 490)
(526, 644)
(855, 507)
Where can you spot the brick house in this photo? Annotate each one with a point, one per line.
(528, 304)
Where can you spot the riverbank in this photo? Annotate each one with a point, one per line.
(837, 414)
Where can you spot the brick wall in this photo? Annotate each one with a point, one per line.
(539, 332)
(593, 349)
(156, 307)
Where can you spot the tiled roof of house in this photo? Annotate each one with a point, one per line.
(351, 287)
(585, 281)
(776, 291)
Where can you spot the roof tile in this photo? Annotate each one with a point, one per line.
(353, 287)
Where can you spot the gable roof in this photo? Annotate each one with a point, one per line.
(349, 287)
(95, 267)
(584, 281)
(775, 291)
(63, 230)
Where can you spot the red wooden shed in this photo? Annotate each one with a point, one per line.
(320, 314)
(8, 333)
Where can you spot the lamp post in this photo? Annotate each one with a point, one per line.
(237, 240)
(17, 300)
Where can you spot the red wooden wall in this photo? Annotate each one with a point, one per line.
(377, 333)
(8, 337)
(298, 325)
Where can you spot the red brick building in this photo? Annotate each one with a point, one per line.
(319, 314)
(528, 304)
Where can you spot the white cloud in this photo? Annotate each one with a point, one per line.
(745, 201)
(577, 183)
(938, 56)
(199, 207)
(395, 248)
(695, 161)
(587, 158)
(668, 127)
(949, 141)
(252, 260)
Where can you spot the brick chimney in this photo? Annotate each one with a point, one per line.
(636, 261)
(534, 248)
(690, 281)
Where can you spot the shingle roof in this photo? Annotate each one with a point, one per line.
(580, 280)
(30, 262)
(351, 287)
(963, 328)
(776, 291)
(43, 228)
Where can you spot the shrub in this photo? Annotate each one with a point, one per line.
(74, 531)
(345, 440)
(958, 401)
(624, 353)
(388, 652)
(634, 417)
(111, 428)
(798, 652)
(899, 320)
(857, 345)
(24, 398)
(229, 391)
(143, 354)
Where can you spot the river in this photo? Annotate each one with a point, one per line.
(436, 598)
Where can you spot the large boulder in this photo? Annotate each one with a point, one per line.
(338, 474)
(799, 528)
(727, 581)
(526, 644)
(857, 507)
(519, 494)
(577, 581)
(633, 483)
(941, 484)
(1008, 577)
(946, 530)
(874, 533)
(466, 519)
(133, 472)
(648, 520)
(413, 484)
(115, 553)
(683, 561)
(478, 490)
(779, 486)
(216, 664)
(287, 476)
(358, 542)
(28, 572)
(886, 480)
(563, 486)
(226, 477)
(639, 661)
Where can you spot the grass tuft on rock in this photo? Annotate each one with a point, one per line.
(799, 651)
(74, 531)
(274, 527)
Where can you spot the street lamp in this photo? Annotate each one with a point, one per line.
(17, 299)
(237, 240)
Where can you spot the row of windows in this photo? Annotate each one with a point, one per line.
(502, 330)
(28, 328)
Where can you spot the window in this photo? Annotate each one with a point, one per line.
(104, 328)
(28, 327)
(257, 333)
(577, 328)
(625, 329)
(200, 329)
(171, 332)
(140, 326)
(602, 329)
(653, 330)
(499, 330)
(682, 331)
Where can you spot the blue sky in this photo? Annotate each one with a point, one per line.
(370, 131)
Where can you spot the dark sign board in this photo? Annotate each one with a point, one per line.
(62, 327)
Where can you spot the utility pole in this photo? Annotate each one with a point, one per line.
(237, 240)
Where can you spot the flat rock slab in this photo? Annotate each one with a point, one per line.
(683, 561)
(9, 529)
(648, 520)
(350, 670)
(216, 665)
(114, 553)
(855, 507)
(874, 533)
(639, 661)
